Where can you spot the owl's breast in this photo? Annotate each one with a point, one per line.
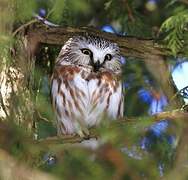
(105, 96)
(83, 94)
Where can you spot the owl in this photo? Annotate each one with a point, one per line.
(86, 84)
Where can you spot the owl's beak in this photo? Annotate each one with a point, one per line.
(96, 66)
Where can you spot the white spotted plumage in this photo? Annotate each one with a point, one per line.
(85, 86)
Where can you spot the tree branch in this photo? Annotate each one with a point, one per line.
(170, 115)
(129, 46)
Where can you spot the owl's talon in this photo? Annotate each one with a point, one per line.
(86, 137)
(84, 134)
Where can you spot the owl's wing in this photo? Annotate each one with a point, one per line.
(70, 99)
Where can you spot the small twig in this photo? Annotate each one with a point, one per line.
(130, 14)
(24, 26)
(41, 117)
(66, 139)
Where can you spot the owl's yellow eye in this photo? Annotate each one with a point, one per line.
(108, 57)
(86, 52)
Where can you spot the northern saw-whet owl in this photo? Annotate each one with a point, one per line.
(86, 84)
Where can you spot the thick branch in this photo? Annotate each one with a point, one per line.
(129, 46)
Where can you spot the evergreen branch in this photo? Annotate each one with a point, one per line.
(175, 26)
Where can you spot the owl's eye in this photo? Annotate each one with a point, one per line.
(86, 52)
(108, 57)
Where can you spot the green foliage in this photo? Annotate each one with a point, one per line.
(131, 21)
(175, 28)
(58, 10)
(64, 12)
(23, 10)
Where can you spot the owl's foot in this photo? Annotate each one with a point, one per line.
(84, 133)
(82, 130)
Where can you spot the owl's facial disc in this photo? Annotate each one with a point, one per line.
(97, 57)
(96, 53)
(95, 63)
(99, 63)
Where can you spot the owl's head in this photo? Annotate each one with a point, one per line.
(95, 52)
